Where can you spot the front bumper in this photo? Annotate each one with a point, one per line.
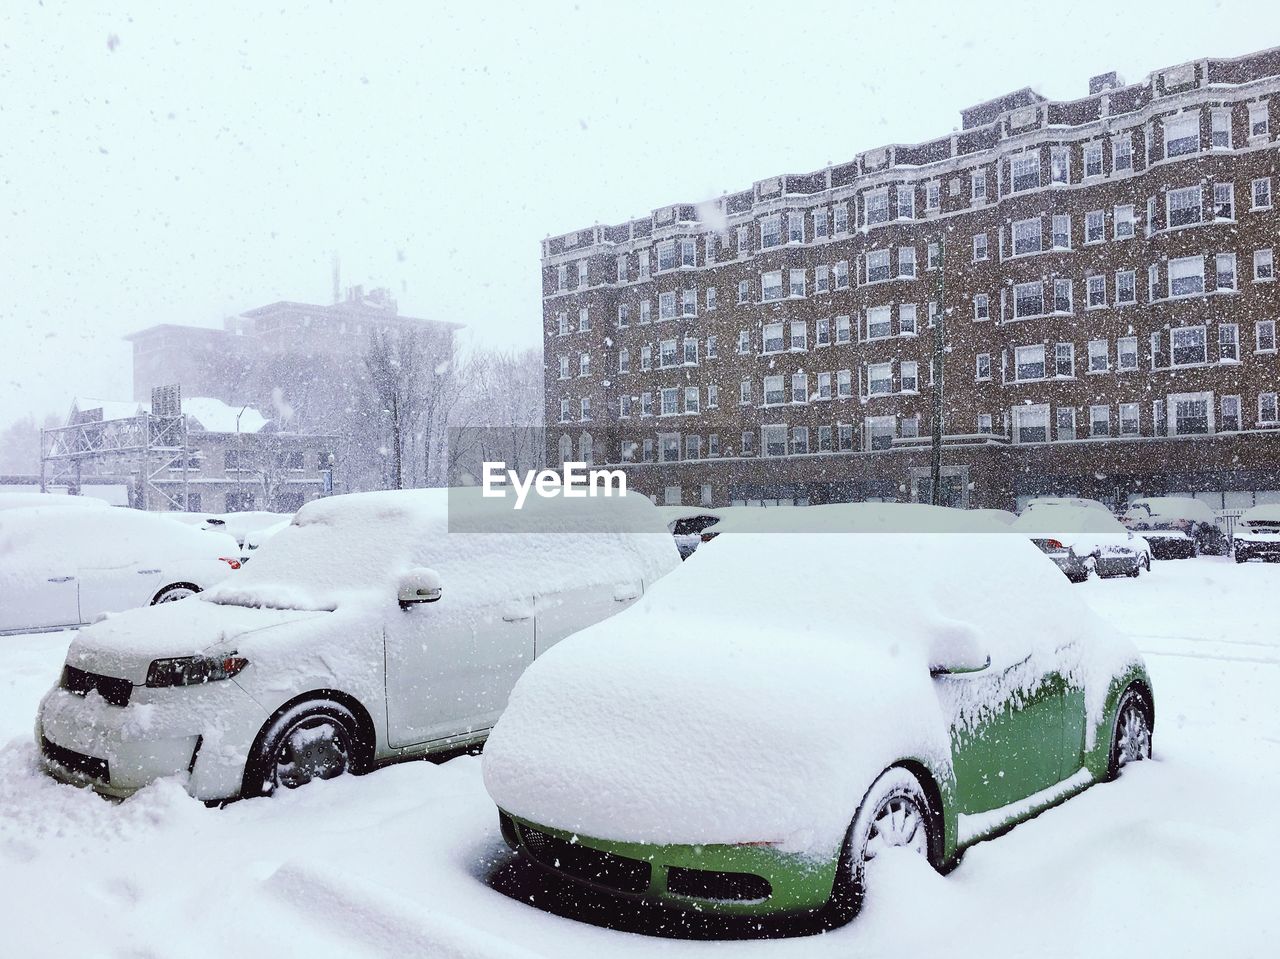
(201, 734)
(718, 879)
(1262, 547)
(1169, 544)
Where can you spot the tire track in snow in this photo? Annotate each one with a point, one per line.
(1223, 651)
(383, 921)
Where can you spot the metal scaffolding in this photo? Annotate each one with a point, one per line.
(133, 451)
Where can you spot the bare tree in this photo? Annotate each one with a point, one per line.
(394, 365)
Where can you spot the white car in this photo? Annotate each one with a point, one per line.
(368, 630)
(236, 525)
(1257, 534)
(1083, 540)
(253, 541)
(63, 567)
(1040, 502)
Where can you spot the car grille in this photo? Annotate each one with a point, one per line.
(711, 884)
(595, 866)
(90, 766)
(115, 691)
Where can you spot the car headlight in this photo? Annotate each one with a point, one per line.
(193, 670)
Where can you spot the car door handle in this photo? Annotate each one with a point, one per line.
(61, 579)
(147, 572)
(516, 617)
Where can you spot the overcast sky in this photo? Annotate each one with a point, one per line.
(167, 166)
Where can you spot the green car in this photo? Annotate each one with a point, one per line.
(747, 737)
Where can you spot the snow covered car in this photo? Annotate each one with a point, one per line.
(61, 567)
(1082, 540)
(24, 500)
(1176, 527)
(364, 632)
(1040, 502)
(718, 747)
(253, 541)
(1257, 534)
(236, 525)
(687, 524)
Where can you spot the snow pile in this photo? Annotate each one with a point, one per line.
(353, 549)
(27, 500)
(756, 695)
(856, 518)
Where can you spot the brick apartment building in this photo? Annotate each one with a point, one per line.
(1106, 268)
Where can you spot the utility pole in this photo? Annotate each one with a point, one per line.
(939, 344)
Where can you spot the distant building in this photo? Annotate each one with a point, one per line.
(214, 457)
(1106, 269)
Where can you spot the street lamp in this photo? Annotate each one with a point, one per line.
(239, 460)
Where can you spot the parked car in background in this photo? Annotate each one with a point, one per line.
(236, 525)
(999, 515)
(62, 567)
(1176, 527)
(1078, 502)
(1083, 540)
(687, 524)
(1257, 534)
(367, 630)
(254, 541)
(701, 752)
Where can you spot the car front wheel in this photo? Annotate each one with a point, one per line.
(896, 814)
(315, 741)
(175, 592)
(1131, 741)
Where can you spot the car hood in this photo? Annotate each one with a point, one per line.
(621, 734)
(125, 644)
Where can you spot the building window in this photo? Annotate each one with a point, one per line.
(1028, 300)
(880, 432)
(668, 353)
(1099, 420)
(1127, 353)
(982, 367)
(744, 393)
(1064, 360)
(844, 383)
(842, 275)
(1099, 356)
(821, 278)
(771, 286)
(1186, 276)
(1029, 362)
(773, 338)
(1187, 346)
(582, 273)
(774, 394)
(1095, 227)
(689, 303)
(670, 454)
(1062, 296)
(877, 206)
(906, 261)
(584, 364)
(824, 386)
(1230, 420)
(822, 333)
(1159, 418)
(820, 224)
(1097, 291)
(644, 311)
(906, 202)
(1122, 152)
(824, 439)
(666, 255)
(1061, 231)
(879, 323)
(1026, 237)
(1129, 425)
(692, 397)
(1182, 206)
(744, 342)
(978, 186)
(1093, 160)
(646, 357)
(624, 316)
(713, 449)
(984, 423)
(585, 408)
(693, 447)
(564, 367)
(932, 195)
(1220, 135)
(1065, 423)
(1262, 266)
(774, 440)
(1228, 342)
(799, 335)
(1126, 288)
(713, 396)
(1151, 216)
(981, 307)
(795, 227)
(907, 319)
(584, 320)
(1190, 413)
(935, 256)
(1265, 336)
(909, 376)
(844, 329)
(690, 352)
(1224, 265)
(844, 432)
(799, 440)
(880, 379)
(1182, 134)
(796, 282)
(667, 306)
(1059, 165)
(562, 324)
(744, 240)
(1259, 123)
(877, 266)
(1031, 423)
(711, 298)
(1262, 193)
(748, 443)
(646, 404)
(1224, 201)
(711, 347)
(770, 232)
(1122, 222)
(840, 217)
(624, 405)
(799, 388)
(670, 401)
(979, 247)
(743, 292)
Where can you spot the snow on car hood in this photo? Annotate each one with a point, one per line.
(754, 696)
(125, 644)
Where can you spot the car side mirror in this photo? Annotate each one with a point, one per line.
(955, 648)
(420, 585)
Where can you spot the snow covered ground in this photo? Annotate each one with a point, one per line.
(1176, 859)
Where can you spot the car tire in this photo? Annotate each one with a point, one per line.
(313, 740)
(1240, 557)
(1131, 734)
(895, 813)
(174, 592)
